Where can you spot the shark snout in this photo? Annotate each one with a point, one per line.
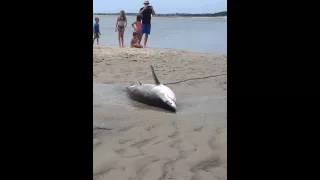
(172, 105)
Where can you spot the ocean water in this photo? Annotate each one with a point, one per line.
(200, 34)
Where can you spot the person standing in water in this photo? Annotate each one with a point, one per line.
(96, 30)
(146, 12)
(121, 24)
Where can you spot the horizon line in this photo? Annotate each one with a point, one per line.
(158, 13)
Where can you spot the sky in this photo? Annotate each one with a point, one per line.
(161, 6)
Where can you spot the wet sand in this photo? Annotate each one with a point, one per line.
(136, 141)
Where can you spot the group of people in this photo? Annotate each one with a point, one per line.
(142, 26)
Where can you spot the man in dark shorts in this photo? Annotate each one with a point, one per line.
(146, 12)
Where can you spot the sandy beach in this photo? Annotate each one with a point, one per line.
(133, 141)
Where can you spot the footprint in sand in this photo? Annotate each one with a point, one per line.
(173, 134)
(198, 128)
(124, 141)
(157, 142)
(144, 142)
(125, 129)
(206, 165)
(129, 153)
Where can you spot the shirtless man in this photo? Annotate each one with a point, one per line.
(135, 41)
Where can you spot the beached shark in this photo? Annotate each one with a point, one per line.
(156, 94)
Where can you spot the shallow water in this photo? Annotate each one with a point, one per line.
(203, 34)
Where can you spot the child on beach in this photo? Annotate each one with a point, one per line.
(121, 24)
(96, 30)
(135, 41)
(137, 29)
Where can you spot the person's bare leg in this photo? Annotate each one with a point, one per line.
(140, 37)
(97, 41)
(119, 37)
(145, 40)
(122, 33)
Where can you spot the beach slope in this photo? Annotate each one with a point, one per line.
(136, 141)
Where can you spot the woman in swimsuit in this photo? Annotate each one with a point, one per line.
(121, 24)
(137, 29)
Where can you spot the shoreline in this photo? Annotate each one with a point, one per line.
(159, 48)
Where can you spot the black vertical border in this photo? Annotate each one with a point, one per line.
(47, 97)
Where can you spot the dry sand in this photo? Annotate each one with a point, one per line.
(132, 141)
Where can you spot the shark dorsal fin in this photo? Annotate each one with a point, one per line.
(154, 76)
